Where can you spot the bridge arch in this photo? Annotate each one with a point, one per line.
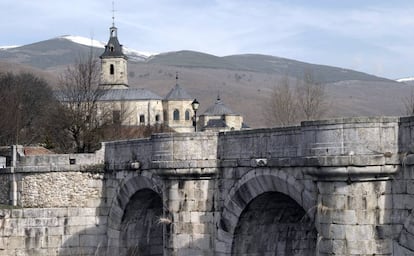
(133, 222)
(257, 199)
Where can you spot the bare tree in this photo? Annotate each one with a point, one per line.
(80, 94)
(409, 103)
(282, 106)
(288, 105)
(311, 97)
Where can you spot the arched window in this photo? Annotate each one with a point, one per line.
(141, 119)
(176, 115)
(157, 118)
(187, 115)
(111, 69)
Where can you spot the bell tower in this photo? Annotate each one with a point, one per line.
(114, 66)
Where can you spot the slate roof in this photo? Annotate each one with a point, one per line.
(178, 93)
(113, 48)
(218, 109)
(129, 94)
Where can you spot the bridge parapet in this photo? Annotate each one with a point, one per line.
(345, 141)
(406, 135)
(336, 137)
(164, 151)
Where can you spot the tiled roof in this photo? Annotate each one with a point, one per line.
(34, 151)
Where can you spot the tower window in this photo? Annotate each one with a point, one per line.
(116, 117)
(176, 115)
(187, 115)
(157, 118)
(141, 119)
(111, 69)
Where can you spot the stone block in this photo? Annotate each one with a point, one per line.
(385, 247)
(339, 247)
(388, 231)
(385, 202)
(359, 232)
(337, 231)
(344, 217)
(400, 201)
(202, 242)
(181, 241)
(361, 247)
(195, 217)
(326, 246)
(70, 241)
(399, 187)
(91, 240)
(366, 217)
(53, 241)
(326, 188)
(207, 217)
(410, 187)
(16, 243)
(16, 213)
(55, 231)
(222, 248)
(338, 202)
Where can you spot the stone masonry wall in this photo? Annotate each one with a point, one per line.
(61, 189)
(60, 206)
(51, 231)
(397, 218)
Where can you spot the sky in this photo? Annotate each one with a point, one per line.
(372, 36)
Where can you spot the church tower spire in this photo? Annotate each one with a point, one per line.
(114, 70)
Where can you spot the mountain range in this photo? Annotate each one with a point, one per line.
(244, 82)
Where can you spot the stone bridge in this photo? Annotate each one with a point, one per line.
(337, 187)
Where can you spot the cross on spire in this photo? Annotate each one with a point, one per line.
(113, 14)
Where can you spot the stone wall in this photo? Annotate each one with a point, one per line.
(51, 231)
(61, 189)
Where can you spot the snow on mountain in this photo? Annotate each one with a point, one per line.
(407, 79)
(84, 41)
(8, 47)
(131, 53)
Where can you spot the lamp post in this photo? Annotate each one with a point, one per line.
(195, 104)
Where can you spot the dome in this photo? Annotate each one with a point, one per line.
(178, 93)
(218, 109)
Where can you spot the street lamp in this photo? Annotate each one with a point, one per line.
(195, 104)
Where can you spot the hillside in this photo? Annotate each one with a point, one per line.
(243, 81)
